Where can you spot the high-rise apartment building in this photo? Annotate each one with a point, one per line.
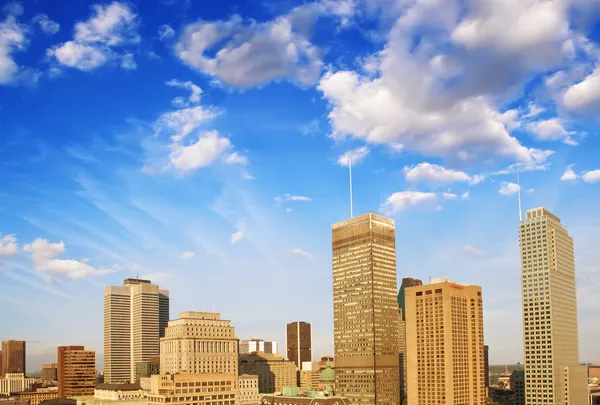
(49, 372)
(199, 342)
(257, 345)
(273, 371)
(365, 310)
(76, 371)
(553, 375)
(299, 342)
(13, 357)
(444, 340)
(406, 282)
(135, 316)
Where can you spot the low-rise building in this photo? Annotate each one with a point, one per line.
(193, 389)
(119, 392)
(37, 397)
(13, 401)
(248, 390)
(311, 398)
(15, 382)
(273, 371)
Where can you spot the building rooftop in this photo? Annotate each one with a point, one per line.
(118, 387)
(369, 216)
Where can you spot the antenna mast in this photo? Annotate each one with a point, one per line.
(350, 167)
(519, 193)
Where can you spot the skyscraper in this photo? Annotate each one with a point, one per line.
(13, 356)
(199, 342)
(49, 372)
(553, 375)
(365, 310)
(299, 342)
(444, 340)
(76, 371)
(135, 316)
(406, 282)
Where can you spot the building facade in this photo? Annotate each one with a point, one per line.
(49, 372)
(38, 396)
(257, 345)
(199, 342)
(444, 340)
(303, 400)
(273, 371)
(299, 342)
(517, 386)
(147, 368)
(15, 382)
(135, 317)
(553, 375)
(13, 357)
(309, 376)
(192, 389)
(248, 393)
(365, 310)
(76, 371)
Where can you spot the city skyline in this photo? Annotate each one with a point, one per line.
(219, 179)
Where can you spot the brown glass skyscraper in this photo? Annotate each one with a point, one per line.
(299, 342)
(365, 310)
(76, 371)
(13, 357)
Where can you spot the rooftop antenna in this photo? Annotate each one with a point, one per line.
(350, 167)
(519, 193)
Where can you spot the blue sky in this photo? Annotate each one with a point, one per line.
(204, 145)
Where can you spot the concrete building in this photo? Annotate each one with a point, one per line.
(486, 366)
(147, 368)
(365, 310)
(309, 376)
(1, 363)
(406, 282)
(76, 371)
(248, 393)
(49, 372)
(38, 396)
(311, 398)
(15, 382)
(135, 316)
(517, 386)
(257, 345)
(299, 342)
(273, 371)
(199, 342)
(13, 401)
(553, 375)
(444, 340)
(115, 394)
(193, 389)
(13, 357)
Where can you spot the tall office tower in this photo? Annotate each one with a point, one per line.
(257, 345)
(199, 342)
(49, 372)
(76, 371)
(444, 340)
(553, 375)
(135, 316)
(13, 356)
(299, 342)
(365, 310)
(406, 282)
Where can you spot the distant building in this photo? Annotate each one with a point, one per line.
(325, 359)
(135, 317)
(299, 342)
(15, 382)
(445, 318)
(13, 357)
(309, 376)
(37, 397)
(118, 392)
(311, 398)
(147, 368)
(517, 386)
(76, 371)
(273, 371)
(486, 365)
(257, 345)
(199, 342)
(248, 393)
(406, 282)
(49, 372)
(13, 401)
(192, 389)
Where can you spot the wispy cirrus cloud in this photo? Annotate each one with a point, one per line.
(301, 253)
(8, 245)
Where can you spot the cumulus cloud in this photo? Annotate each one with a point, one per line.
(44, 253)
(584, 96)
(12, 38)
(432, 173)
(592, 176)
(301, 253)
(551, 129)
(195, 92)
(569, 174)
(357, 155)
(98, 40)
(207, 148)
(404, 199)
(509, 189)
(187, 255)
(236, 159)
(449, 196)
(46, 24)
(165, 31)
(8, 245)
(236, 237)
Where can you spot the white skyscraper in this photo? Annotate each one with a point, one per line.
(553, 375)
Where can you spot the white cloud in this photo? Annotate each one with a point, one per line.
(550, 129)
(187, 255)
(205, 150)
(165, 31)
(289, 197)
(472, 251)
(8, 245)
(404, 199)
(250, 53)
(432, 173)
(247, 176)
(357, 155)
(592, 177)
(569, 174)
(301, 253)
(465, 196)
(585, 95)
(96, 40)
(449, 196)
(509, 188)
(44, 253)
(236, 237)
(533, 110)
(46, 24)
(195, 92)
(236, 159)
(183, 122)
(12, 38)
(128, 62)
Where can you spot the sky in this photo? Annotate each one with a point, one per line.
(205, 146)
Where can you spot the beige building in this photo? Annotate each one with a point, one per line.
(444, 341)
(273, 371)
(309, 376)
(15, 382)
(192, 389)
(199, 342)
(49, 372)
(118, 392)
(76, 371)
(248, 390)
(135, 316)
(37, 397)
(365, 310)
(553, 375)
(257, 345)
